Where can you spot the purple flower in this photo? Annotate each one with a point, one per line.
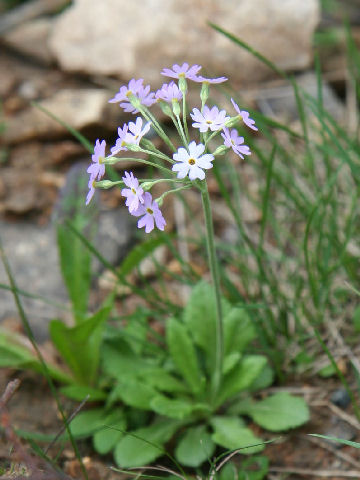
(152, 214)
(234, 141)
(245, 116)
(134, 194)
(123, 137)
(169, 92)
(131, 133)
(182, 71)
(136, 88)
(212, 119)
(97, 168)
(137, 130)
(192, 162)
(91, 191)
(202, 79)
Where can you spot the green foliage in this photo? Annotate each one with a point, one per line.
(79, 346)
(279, 412)
(254, 468)
(145, 445)
(177, 387)
(195, 446)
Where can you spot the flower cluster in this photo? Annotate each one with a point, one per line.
(189, 161)
(141, 204)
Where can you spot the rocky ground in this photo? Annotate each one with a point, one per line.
(70, 62)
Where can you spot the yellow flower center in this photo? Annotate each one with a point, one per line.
(209, 122)
(133, 190)
(101, 159)
(191, 161)
(149, 210)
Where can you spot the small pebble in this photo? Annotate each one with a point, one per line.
(340, 398)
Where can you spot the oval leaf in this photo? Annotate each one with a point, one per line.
(144, 445)
(280, 412)
(195, 447)
(230, 432)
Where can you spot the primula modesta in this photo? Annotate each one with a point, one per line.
(97, 168)
(137, 130)
(234, 141)
(182, 71)
(131, 133)
(212, 119)
(202, 79)
(151, 214)
(169, 92)
(134, 194)
(124, 136)
(136, 88)
(192, 162)
(245, 116)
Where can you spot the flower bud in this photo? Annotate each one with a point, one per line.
(221, 150)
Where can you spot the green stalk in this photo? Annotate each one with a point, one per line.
(210, 242)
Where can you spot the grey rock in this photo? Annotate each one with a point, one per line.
(280, 101)
(340, 429)
(140, 38)
(340, 398)
(33, 255)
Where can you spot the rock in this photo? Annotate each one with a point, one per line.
(79, 108)
(116, 36)
(340, 429)
(32, 254)
(340, 398)
(280, 102)
(31, 39)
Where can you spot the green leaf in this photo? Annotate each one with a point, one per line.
(79, 393)
(230, 432)
(184, 355)
(200, 319)
(356, 319)
(255, 468)
(87, 422)
(241, 377)
(75, 260)
(80, 346)
(264, 379)
(139, 253)
(228, 472)
(280, 412)
(339, 440)
(135, 393)
(230, 361)
(13, 354)
(173, 408)
(122, 362)
(164, 381)
(143, 446)
(239, 330)
(195, 447)
(104, 440)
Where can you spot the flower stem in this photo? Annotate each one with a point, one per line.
(217, 375)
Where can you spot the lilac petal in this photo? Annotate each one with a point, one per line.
(196, 172)
(196, 150)
(181, 155)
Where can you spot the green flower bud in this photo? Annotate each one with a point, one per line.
(221, 150)
(176, 107)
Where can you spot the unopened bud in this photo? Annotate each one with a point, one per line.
(221, 150)
(176, 107)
